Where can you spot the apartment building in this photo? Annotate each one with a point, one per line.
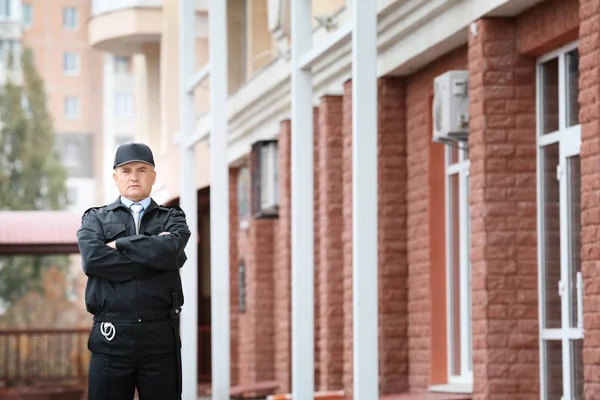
(487, 214)
(90, 95)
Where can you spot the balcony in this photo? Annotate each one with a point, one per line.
(10, 29)
(122, 27)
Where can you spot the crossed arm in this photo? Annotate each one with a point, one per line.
(100, 260)
(135, 256)
(160, 252)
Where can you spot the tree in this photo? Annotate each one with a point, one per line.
(31, 174)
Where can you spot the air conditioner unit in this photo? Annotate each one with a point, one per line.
(451, 107)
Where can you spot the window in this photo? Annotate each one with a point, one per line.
(72, 107)
(71, 153)
(7, 50)
(122, 139)
(243, 197)
(27, 15)
(71, 64)
(559, 225)
(72, 195)
(121, 65)
(5, 8)
(458, 265)
(264, 180)
(70, 18)
(123, 105)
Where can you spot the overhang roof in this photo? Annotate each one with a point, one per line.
(38, 232)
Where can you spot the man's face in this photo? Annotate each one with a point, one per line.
(135, 180)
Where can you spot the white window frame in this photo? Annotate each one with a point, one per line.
(71, 64)
(29, 7)
(72, 108)
(70, 18)
(461, 168)
(568, 139)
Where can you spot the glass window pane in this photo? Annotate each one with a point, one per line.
(576, 369)
(551, 241)
(553, 366)
(572, 87)
(455, 274)
(548, 95)
(574, 205)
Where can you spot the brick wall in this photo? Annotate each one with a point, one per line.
(589, 83)
(256, 326)
(245, 322)
(419, 91)
(233, 274)
(392, 207)
(316, 250)
(547, 26)
(503, 214)
(347, 233)
(330, 315)
(282, 273)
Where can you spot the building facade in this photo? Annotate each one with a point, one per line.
(487, 215)
(55, 32)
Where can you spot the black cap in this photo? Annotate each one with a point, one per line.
(133, 152)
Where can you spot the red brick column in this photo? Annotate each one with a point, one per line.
(257, 341)
(347, 234)
(503, 215)
(393, 268)
(233, 274)
(589, 101)
(316, 250)
(331, 246)
(282, 273)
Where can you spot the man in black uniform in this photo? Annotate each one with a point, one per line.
(131, 252)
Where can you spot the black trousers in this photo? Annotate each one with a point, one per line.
(142, 356)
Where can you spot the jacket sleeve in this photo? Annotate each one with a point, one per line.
(164, 252)
(100, 260)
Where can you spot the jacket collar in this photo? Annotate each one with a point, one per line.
(117, 204)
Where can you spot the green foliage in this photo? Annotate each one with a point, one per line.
(31, 174)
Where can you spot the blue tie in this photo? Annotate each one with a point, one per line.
(136, 208)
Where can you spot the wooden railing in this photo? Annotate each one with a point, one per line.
(61, 355)
(38, 355)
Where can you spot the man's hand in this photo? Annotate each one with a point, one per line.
(164, 233)
(112, 244)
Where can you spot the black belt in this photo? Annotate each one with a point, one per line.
(164, 316)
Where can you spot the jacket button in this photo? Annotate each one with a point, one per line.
(109, 233)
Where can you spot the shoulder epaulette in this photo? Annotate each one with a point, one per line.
(86, 212)
(173, 206)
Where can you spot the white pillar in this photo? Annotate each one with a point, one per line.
(189, 203)
(302, 206)
(219, 200)
(364, 200)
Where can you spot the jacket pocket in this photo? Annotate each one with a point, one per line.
(112, 230)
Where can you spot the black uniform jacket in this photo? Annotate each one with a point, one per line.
(139, 280)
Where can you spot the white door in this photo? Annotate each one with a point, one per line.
(560, 283)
